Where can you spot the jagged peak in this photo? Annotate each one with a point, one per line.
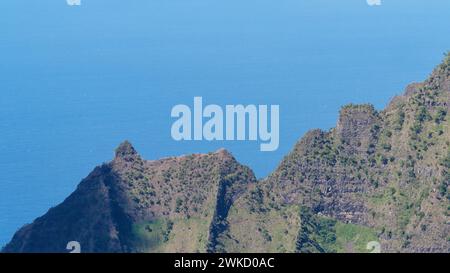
(355, 124)
(126, 150)
(224, 153)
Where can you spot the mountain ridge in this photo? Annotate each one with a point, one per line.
(377, 176)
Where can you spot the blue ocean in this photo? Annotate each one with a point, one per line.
(75, 81)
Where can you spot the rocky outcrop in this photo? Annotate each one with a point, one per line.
(378, 176)
(357, 128)
(116, 206)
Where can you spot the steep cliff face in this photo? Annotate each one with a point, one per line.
(378, 176)
(134, 205)
(92, 215)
